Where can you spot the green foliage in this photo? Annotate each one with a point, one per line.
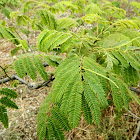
(115, 40)
(5, 101)
(66, 24)
(8, 34)
(93, 103)
(72, 78)
(9, 93)
(42, 117)
(49, 40)
(92, 9)
(30, 64)
(112, 11)
(6, 6)
(102, 59)
(40, 68)
(47, 19)
(136, 6)
(86, 111)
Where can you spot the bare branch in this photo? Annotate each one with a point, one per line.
(15, 77)
(135, 90)
(4, 70)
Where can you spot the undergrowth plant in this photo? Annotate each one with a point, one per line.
(6, 96)
(6, 6)
(102, 49)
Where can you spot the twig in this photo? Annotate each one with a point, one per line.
(5, 72)
(15, 77)
(132, 114)
(42, 84)
(7, 79)
(135, 90)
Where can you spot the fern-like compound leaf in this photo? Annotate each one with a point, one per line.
(66, 23)
(61, 119)
(104, 83)
(19, 68)
(116, 40)
(65, 105)
(49, 40)
(126, 24)
(8, 103)
(40, 68)
(130, 76)
(67, 64)
(135, 56)
(28, 65)
(41, 37)
(8, 92)
(3, 116)
(75, 109)
(58, 133)
(132, 94)
(96, 87)
(89, 63)
(130, 60)
(42, 117)
(64, 77)
(52, 60)
(63, 83)
(86, 110)
(93, 103)
(49, 132)
(92, 9)
(110, 60)
(60, 41)
(121, 59)
(116, 95)
(91, 18)
(8, 34)
(47, 19)
(124, 93)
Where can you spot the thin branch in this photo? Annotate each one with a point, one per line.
(101, 76)
(5, 72)
(42, 84)
(135, 90)
(15, 77)
(132, 114)
(7, 79)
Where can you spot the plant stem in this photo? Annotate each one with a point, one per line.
(101, 76)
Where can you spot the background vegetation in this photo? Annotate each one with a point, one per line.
(94, 47)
